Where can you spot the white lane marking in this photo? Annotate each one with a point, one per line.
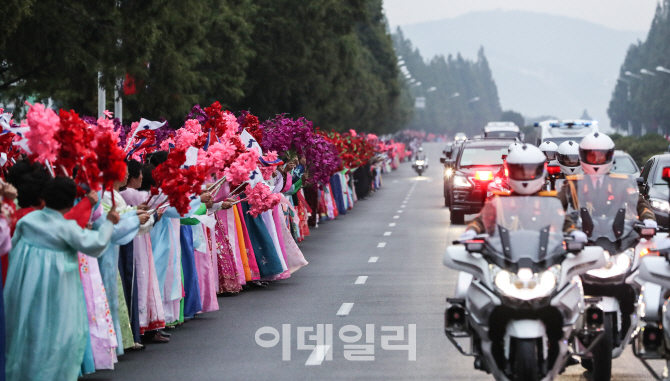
(396, 216)
(387, 233)
(392, 224)
(345, 309)
(400, 211)
(373, 259)
(361, 279)
(402, 206)
(395, 181)
(318, 355)
(381, 244)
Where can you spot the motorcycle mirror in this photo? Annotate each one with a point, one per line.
(645, 232)
(474, 246)
(574, 246)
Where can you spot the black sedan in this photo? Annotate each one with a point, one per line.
(468, 173)
(654, 188)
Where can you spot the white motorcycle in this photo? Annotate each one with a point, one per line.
(607, 206)
(420, 165)
(521, 303)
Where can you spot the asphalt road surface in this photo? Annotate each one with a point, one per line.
(376, 272)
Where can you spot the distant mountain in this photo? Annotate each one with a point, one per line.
(542, 64)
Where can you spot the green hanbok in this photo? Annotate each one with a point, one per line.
(46, 318)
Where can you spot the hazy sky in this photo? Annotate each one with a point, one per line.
(617, 14)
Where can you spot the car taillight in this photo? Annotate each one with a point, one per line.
(552, 170)
(484, 175)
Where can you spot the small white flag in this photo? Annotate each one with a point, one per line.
(191, 156)
(255, 177)
(250, 143)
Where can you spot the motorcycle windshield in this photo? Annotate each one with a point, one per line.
(524, 228)
(610, 202)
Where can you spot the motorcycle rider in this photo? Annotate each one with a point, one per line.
(526, 174)
(526, 177)
(549, 149)
(596, 152)
(567, 156)
(420, 155)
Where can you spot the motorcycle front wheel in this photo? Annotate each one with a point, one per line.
(601, 365)
(526, 360)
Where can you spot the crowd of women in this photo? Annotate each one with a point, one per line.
(115, 234)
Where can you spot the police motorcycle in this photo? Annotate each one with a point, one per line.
(523, 310)
(652, 337)
(607, 208)
(420, 162)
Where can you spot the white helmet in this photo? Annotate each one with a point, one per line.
(568, 158)
(596, 151)
(525, 166)
(513, 146)
(549, 148)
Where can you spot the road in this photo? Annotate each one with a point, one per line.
(381, 265)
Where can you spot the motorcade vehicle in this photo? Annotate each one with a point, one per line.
(468, 171)
(606, 207)
(460, 137)
(503, 130)
(420, 165)
(654, 188)
(522, 308)
(624, 163)
(559, 131)
(652, 336)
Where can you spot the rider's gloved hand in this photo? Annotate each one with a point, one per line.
(468, 235)
(649, 223)
(579, 236)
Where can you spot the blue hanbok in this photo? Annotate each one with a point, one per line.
(166, 247)
(44, 299)
(124, 232)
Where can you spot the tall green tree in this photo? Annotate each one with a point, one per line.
(461, 95)
(640, 101)
(331, 61)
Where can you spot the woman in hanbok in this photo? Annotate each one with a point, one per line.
(223, 239)
(46, 328)
(150, 305)
(124, 232)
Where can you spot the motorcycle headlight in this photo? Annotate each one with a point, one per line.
(526, 285)
(461, 181)
(420, 162)
(448, 172)
(616, 264)
(660, 205)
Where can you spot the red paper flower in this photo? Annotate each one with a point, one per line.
(178, 183)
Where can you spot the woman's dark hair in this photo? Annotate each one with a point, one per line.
(157, 158)
(147, 179)
(134, 169)
(59, 193)
(20, 169)
(30, 188)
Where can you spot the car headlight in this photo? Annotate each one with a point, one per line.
(616, 264)
(660, 205)
(420, 162)
(448, 172)
(461, 181)
(525, 285)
